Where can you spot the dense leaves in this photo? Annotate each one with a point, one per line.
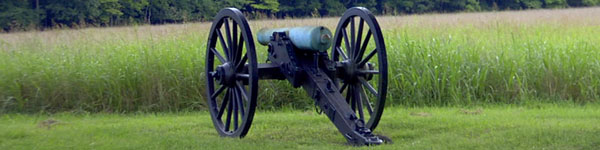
(31, 14)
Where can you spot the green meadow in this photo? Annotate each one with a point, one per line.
(434, 60)
(493, 80)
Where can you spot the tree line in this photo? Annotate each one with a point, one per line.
(16, 15)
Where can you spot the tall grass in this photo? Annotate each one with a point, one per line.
(436, 59)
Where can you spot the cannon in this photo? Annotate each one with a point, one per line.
(348, 83)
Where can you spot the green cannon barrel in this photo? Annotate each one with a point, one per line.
(316, 38)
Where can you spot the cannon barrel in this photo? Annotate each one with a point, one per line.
(316, 38)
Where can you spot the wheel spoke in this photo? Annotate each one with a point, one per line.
(363, 47)
(353, 99)
(223, 105)
(359, 102)
(219, 56)
(228, 35)
(358, 40)
(214, 95)
(240, 102)
(241, 63)
(234, 102)
(349, 94)
(367, 101)
(242, 76)
(346, 43)
(369, 71)
(369, 86)
(240, 48)
(229, 109)
(223, 45)
(234, 46)
(364, 61)
(242, 91)
(352, 38)
(342, 53)
(343, 87)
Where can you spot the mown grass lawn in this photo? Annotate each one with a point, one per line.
(494, 127)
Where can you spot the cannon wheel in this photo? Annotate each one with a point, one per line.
(232, 80)
(364, 77)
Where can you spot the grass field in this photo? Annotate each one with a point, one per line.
(494, 80)
(437, 59)
(496, 127)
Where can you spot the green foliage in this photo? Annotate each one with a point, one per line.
(332, 8)
(411, 6)
(472, 5)
(457, 5)
(583, 2)
(134, 11)
(165, 11)
(509, 4)
(17, 15)
(531, 4)
(110, 9)
(298, 8)
(370, 4)
(268, 6)
(555, 3)
(69, 13)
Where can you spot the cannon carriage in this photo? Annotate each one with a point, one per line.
(348, 83)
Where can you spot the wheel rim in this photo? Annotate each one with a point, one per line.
(231, 73)
(362, 54)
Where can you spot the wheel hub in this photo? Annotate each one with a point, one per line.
(225, 74)
(352, 71)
